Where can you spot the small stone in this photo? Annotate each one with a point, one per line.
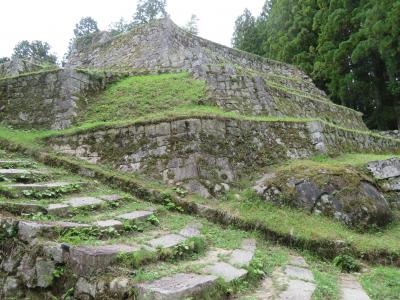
(84, 288)
(54, 251)
(167, 241)
(44, 272)
(178, 286)
(119, 286)
(226, 271)
(136, 215)
(12, 287)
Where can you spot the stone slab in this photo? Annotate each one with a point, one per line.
(177, 287)
(384, 169)
(109, 223)
(138, 215)
(249, 245)
(58, 209)
(192, 230)
(29, 230)
(38, 186)
(167, 241)
(299, 273)
(111, 198)
(241, 257)
(298, 290)
(351, 289)
(80, 202)
(87, 259)
(226, 271)
(392, 184)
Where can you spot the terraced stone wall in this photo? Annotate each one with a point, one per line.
(237, 80)
(46, 99)
(206, 154)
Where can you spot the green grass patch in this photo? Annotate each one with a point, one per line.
(382, 283)
(140, 95)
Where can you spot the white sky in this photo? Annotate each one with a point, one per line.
(53, 21)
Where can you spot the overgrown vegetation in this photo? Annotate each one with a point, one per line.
(140, 95)
(382, 283)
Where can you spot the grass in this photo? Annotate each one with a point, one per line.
(382, 283)
(305, 226)
(140, 95)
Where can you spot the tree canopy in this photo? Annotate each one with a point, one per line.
(85, 26)
(148, 10)
(36, 51)
(192, 26)
(351, 49)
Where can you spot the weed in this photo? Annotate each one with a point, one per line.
(346, 263)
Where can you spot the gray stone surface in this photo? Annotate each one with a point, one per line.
(54, 251)
(44, 272)
(299, 273)
(87, 259)
(138, 215)
(58, 209)
(108, 224)
(351, 289)
(298, 290)
(241, 257)
(298, 261)
(12, 287)
(225, 271)
(111, 198)
(192, 230)
(84, 289)
(177, 287)
(29, 230)
(37, 186)
(384, 169)
(80, 202)
(167, 241)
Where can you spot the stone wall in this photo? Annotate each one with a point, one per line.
(17, 67)
(206, 154)
(47, 99)
(237, 80)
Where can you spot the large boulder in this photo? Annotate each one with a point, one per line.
(387, 175)
(342, 193)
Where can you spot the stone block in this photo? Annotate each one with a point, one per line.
(225, 271)
(177, 287)
(139, 215)
(299, 273)
(109, 224)
(80, 202)
(167, 241)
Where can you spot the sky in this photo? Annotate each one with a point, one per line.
(53, 21)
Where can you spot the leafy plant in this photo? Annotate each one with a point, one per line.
(169, 204)
(347, 263)
(153, 220)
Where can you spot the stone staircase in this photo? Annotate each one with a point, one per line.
(91, 232)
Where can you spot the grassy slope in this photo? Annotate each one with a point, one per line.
(382, 283)
(140, 95)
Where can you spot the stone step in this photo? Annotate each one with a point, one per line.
(22, 208)
(12, 174)
(85, 260)
(351, 289)
(6, 164)
(138, 215)
(28, 230)
(225, 271)
(177, 287)
(18, 189)
(109, 224)
(66, 207)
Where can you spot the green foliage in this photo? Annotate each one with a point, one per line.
(382, 283)
(187, 248)
(4, 60)
(153, 220)
(36, 51)
(148, 10)
(350, 49)
(58, 272)
(76, 236)
(120, 26)
(137, 258)
(169, 203)
(86, 26)
(141, 95)
(51, 193)
(346, 263)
